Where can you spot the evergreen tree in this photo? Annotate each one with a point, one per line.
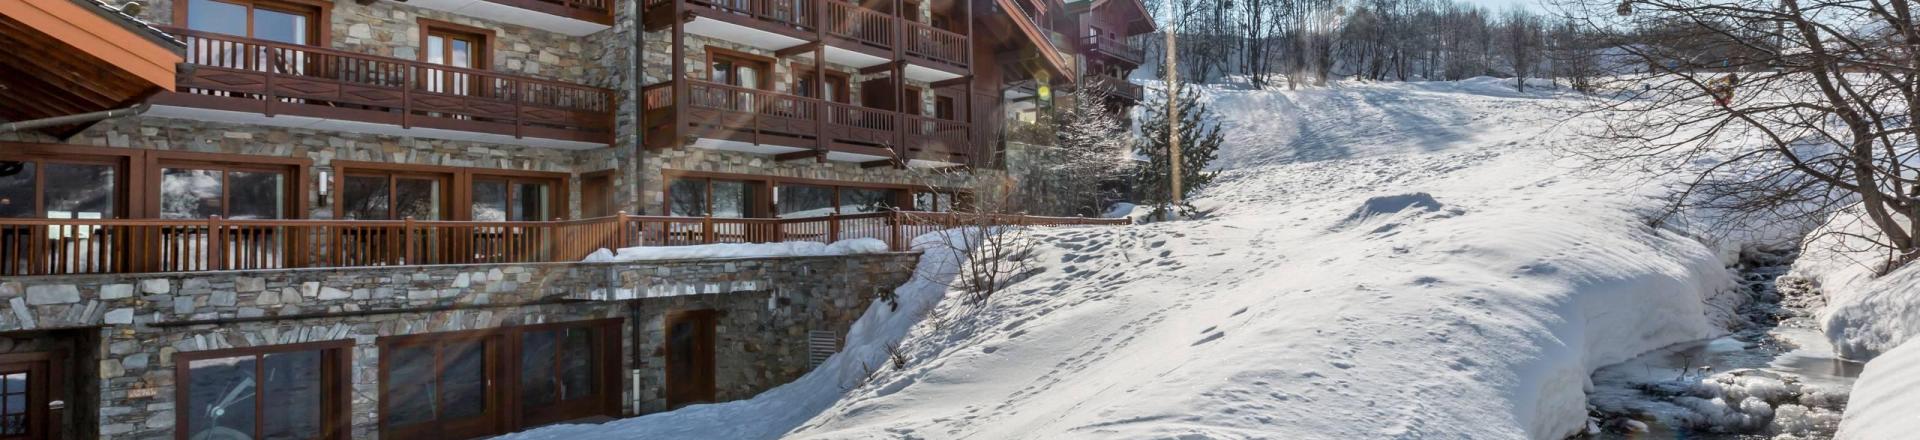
(1199, 139)
(1092, 149)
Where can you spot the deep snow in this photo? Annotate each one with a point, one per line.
(1377, 261)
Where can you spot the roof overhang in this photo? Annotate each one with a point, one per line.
(68, 57)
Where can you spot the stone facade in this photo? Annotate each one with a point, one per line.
(125, 330)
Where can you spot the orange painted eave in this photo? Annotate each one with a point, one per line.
(86, 30)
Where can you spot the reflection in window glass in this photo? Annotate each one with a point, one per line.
(729, 198)
(536, 368)
(292, 393)
(220, 395)
(417, 198)
(490, 201)
(798, 201)
(576, 364)
(463, 381)
(256, 195)
(16, 189)
(279, 26)
(13, 409)
(79, 190)
(365, 197)
(687, 197)
(190, 193)
(215, 16)
(529, 202)
(863, 200)
(410, 385)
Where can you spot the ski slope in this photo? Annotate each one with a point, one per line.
(1377, 261)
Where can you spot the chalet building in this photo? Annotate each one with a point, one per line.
(368, 218)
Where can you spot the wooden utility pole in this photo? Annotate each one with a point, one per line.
(1173, 107)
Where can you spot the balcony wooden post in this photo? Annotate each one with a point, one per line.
(706, 227)
(406, 225)
(216, 244)
(619, 230)
(893, 237)
(833, 226)
(406, 96)
(677, 75)
(519, 99)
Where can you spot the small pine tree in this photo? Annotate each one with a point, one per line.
(1093, 148)
(1199, 139)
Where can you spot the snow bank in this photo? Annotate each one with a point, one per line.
(1865, 314)
(740, 250)
(1886, 399)
(772, 413)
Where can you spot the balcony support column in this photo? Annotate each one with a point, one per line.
(820, 136)
(678, 74)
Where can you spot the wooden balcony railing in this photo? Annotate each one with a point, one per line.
(1116, 48)
(252, 75)
(937, 44)
(64, 247)
(863, 25)
(598, 11)
(1117, 87)
(768, 117)
(797, 15)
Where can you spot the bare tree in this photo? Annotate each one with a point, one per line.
(1797, 110)
(1522, 40)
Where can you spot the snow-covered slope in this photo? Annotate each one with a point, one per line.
(1380, 261)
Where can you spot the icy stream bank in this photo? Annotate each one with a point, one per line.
(1774, 377)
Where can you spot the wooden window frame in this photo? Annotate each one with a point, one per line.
(336, 380)
(294, 170)
(905, 197)
(804, 72)
(121, 179)
(482, 57)
(504, 392)
(393, 187)
(459, 191)
(318, 12)
(918, 99)
(138, 175)
(554, 186)
(714, 54)
(759, 194)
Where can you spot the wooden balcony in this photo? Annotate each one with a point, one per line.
(69, 247)
(571, 17)
(1115, 87)
(1114, 49)
(760, 121)
(855, 35)
(243, 80)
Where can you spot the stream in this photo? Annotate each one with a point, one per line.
(1773, 377)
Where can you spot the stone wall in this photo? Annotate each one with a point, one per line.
(765, 306)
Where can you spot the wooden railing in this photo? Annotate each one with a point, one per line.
(937, 44)
(598, 11)
(942, 139)
(83, 246)
(245, 74)
(1115, 86)
(864, 25)
(798, 14)
(1117, 48)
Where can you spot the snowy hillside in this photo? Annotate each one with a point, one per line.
(1379, 261)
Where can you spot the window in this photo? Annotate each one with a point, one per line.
(283, 21)
(483, 382)
(943, 108)
(276, 392)
(915, 104)
(511, 200)
(836, 86)
(454, 45)
(391, 196)
(798, 201)
(564, 369)
(700, 197)
(439, 387)
(934, 201)
(235, 193)
(865, 200)
(738, 70)
(42, 188)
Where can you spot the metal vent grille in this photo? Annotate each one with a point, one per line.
(821, 344)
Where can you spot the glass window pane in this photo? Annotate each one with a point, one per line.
(279, 26)
(190, 193)
(292, 394)
(365, 197)
(805, 201)
(462, 54)
(577, 358)
(862, 200)
(257, 195)
(529, 202)
(729, 199)
(220, 395)
(214, 16)
(410, 385)
(436, 49)
(536, 368)
(463, 381)
(687, 197)
(489, 201)
(16, 189)
(417, 198)
(83, 190)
